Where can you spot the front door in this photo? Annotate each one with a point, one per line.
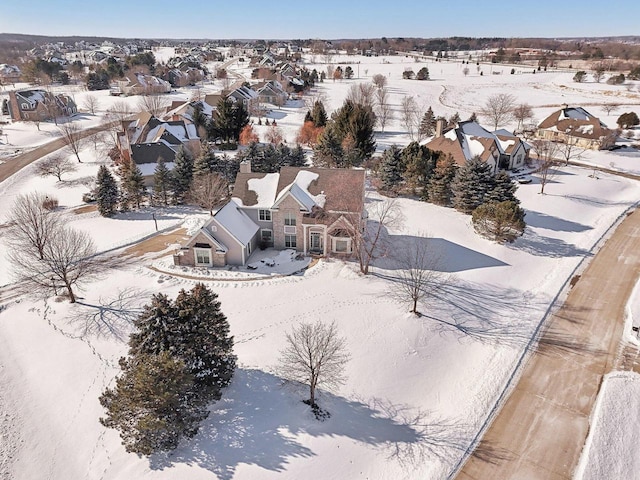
(316, 243)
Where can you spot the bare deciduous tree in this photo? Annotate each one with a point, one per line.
(369, 241)
(410, 115)
(379, 80)
(362, 93)
(383, 110)
(56, 165)
(418, 278)
(155, 104)
(547, 163)
(274, 135)
(209, 191)
(91, 104)
(68, 259)
(498, 109)
(32, 223)
(522, 113)
(570, 149)
(610, 107)
(315, 355)
(72, 138)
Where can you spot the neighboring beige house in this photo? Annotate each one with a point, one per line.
(466, 141)
(310, 210)
(576, 125)
(139, 84)
(9, 74)
(39, 105)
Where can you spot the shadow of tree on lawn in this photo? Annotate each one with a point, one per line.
(258, 422)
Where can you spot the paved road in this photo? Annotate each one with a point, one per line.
(14, 164)
(540, 431)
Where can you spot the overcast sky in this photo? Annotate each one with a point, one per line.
(327, 19)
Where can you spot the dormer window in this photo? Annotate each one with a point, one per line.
(264, 215)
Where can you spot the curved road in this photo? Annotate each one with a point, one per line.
(14, 164)
(541, 429)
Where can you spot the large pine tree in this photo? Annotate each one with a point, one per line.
(428, 123)
(419, 164)
(182, 175)
(471, 184)
(194, 330)
(391, 170)
(327, 152)
(356, 121)
(153, 404)
(319, 114)
(107, 192)
(503, 189)
(439, 188)
(161, 182)
(133, 185)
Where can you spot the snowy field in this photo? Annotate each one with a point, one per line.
(418, 389)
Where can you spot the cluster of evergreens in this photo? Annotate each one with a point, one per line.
(180, 358)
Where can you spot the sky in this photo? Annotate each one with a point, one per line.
(326, 19)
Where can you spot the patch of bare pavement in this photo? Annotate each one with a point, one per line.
(541, 429)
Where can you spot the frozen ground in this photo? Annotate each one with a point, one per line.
(418, 387)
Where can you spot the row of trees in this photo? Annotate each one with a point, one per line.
(180, 359)
(204, 182)
(437, 179)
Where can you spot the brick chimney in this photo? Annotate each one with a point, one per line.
(439, 127)
(245, 166)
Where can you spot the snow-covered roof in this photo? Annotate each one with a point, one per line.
(265, 188)
(149, 169)
(236, 222)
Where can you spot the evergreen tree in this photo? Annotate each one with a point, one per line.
(423, 74)
(499, 221)
(391, 170)
(439, 188)
(182, 175)
(308, 117)
(428, 124)
(161, 182)
(348, 72)
(152, 403)
(107, 192)
(228, 120)
(203, 163)
(358, 121)
(327, 152)
(133, 186)
(503, 189)
(193, 330)
(319, 114)
(419, 164)
(471, 184)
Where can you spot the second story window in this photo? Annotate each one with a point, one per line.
(264, 215)
(290, 218)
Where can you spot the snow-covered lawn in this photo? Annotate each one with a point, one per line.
(418, 388)
(611, 450)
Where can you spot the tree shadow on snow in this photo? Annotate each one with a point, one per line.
(110, 317)
(550, 222)
(257, 422)
(541, 246)
(449, 257)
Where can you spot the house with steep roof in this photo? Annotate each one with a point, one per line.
(310, 210)
(138, 84)
(468, 139)
(40, 105)
(147, 139)
(576, 126)
(9, 73)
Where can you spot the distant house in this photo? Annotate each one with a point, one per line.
(467, 140)
(272, 92)
(40, 105)
(147, 139)
(139, 84)
(9, 73)
(310, 210)
(576, 125)
(244, 94)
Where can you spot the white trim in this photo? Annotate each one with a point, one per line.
(207, 251)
